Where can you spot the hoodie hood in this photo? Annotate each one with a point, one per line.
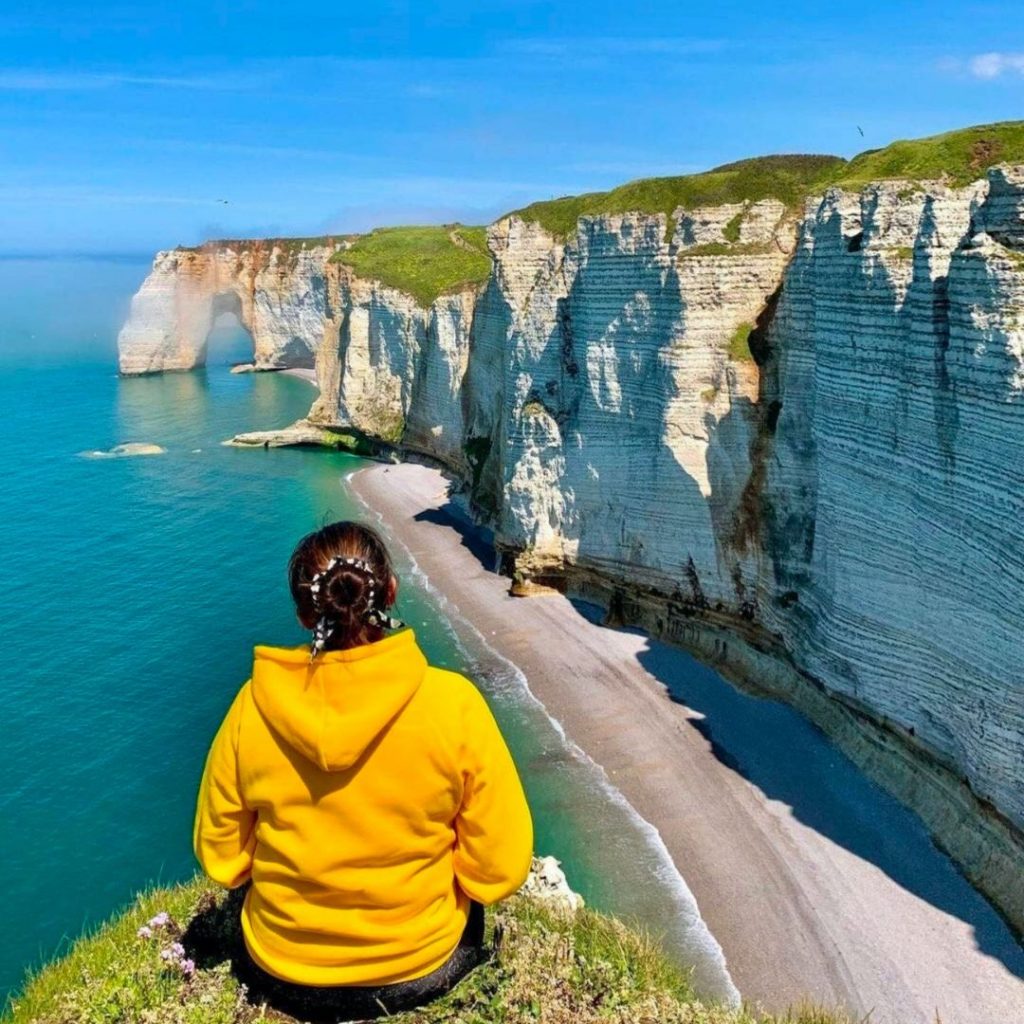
(330, 711)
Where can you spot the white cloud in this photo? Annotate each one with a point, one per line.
(986, 66)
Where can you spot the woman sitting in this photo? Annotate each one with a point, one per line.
(369, 797)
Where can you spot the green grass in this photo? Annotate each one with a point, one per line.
(739, 344)
(787, 178)
(731, 231)
(549, 968)
(962, 156)
(424, 262)
(726, 249)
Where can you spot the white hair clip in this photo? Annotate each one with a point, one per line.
(372, 615)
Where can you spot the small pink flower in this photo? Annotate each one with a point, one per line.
(177, 949)
(166, 955)
(145, 932)
(160, 920)
(188, 968)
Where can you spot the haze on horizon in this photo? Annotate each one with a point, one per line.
(129, 127)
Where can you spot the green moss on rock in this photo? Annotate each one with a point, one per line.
(739, 344)
(731, 231)
(726, 249)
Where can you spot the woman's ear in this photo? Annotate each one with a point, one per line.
(392, 590)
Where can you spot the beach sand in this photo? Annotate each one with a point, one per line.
(303, 374)
(815, 882)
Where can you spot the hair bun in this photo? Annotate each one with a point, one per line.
(346, 590)
(340, 578)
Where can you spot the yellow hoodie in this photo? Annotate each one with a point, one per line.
(369, 796)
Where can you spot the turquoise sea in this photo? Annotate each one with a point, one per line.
(133, 590)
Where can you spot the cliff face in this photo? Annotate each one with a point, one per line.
(803, 430)
(894, 487)
(394, 370)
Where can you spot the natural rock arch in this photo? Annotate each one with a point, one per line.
(281, 306)
(225, 305)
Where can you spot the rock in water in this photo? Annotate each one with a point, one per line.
(126, 450)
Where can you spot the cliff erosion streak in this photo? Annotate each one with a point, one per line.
(792, 442)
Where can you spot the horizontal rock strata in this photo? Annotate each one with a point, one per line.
(797, 435)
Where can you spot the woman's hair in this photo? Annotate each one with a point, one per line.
(339, 575)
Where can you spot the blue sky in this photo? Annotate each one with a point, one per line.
(122, 125)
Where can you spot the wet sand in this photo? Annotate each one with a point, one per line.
(816, 883)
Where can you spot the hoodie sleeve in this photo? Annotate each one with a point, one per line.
(494, 831)
(224, 833)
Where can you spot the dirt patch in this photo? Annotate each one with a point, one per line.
(984, 153)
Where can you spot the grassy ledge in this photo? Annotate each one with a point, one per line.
(550, 967)
(424, 262)
(787, 178)
(739, 344)
(959, 156)
(427, 262)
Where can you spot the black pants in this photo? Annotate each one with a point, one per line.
(327, 1004)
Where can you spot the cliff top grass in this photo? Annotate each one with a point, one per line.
(549, 968)
(424, 262)
(960, 156)
(787, 178)
(429, 261)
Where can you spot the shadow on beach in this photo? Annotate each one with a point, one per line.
(778, 751)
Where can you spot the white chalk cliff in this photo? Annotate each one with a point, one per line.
(844, 499)
(275, 290)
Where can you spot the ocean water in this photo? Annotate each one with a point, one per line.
(133, 590)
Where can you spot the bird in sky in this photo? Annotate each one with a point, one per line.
(861, 130)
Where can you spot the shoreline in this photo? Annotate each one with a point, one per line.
(303, 374)
(602, 819)
(815, 882)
